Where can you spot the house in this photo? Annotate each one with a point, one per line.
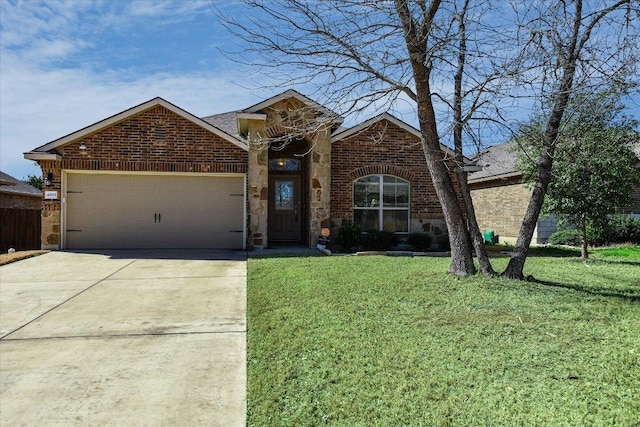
(156, 176)
(20, 205)
(16, 194)
(500, 197)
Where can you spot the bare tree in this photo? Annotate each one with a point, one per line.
(368, 54)
(363, 55)
(570, 45)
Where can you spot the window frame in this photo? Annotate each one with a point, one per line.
(380, 207)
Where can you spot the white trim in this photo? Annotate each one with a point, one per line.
(119, 172)
(501, 177)
(290, 93)
(41, 156)
(133, 111)
(252, 116)
(63, 196)
(381, 208)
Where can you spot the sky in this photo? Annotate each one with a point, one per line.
(67, 64)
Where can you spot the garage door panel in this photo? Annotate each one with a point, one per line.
(154, 211)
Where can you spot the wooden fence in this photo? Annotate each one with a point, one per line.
(19, 229)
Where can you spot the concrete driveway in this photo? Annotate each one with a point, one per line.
(124, 338)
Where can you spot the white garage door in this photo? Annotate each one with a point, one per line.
(118, 211)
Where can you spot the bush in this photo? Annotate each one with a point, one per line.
(617, 229)
(374, 240)
(348, 236)
(443, 242)
(565, 237)
(420, 241)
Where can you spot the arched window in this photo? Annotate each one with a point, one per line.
(381, 202)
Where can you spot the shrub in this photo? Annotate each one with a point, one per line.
(348, 236)
(374, 240)
(420, 241)
(443, 242)
(565, 237)
(617, 229)
(597, 233)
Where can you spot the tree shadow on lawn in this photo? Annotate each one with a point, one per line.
(630, 294)
(554, 251)
(615, 262)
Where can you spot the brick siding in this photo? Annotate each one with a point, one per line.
(384, 149)
(501, 208)
(131, 146)
(18, 201)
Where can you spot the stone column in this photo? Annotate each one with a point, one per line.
(320, 184)
(258, 188)
(51, 231)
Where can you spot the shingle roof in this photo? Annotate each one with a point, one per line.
(225, 121)
(228, 122)
(500, 160)
(496, 161)
(9, 184)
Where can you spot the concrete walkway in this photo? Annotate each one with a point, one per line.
(124, 338)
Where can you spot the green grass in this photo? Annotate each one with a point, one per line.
(631, 253)
(389, 341)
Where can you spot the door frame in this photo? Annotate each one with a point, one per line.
(297, 177)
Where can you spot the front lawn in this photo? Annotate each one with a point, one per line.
(389, 341)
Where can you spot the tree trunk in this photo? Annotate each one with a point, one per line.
(472, 224)
(585, 244)
(415, 37)
(515, 267)
(474, 230)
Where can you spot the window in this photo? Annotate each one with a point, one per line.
(381, 202)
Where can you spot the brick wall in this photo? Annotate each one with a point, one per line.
(18, 201)
(134, 145)
(501, 208)
(384, 149)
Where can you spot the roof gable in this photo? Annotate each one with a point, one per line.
(37, 153)
(298, 96)
(347, 133)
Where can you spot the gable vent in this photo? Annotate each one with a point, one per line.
(161, 133)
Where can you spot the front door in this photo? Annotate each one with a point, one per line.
(284, 208)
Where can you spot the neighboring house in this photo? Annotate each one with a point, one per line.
(16, 194)
(500, 197)
(20, 205)
(156, 176)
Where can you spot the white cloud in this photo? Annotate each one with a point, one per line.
(43, 100)
(39, 105)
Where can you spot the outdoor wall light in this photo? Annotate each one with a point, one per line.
(48, 181)
(83, 146)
